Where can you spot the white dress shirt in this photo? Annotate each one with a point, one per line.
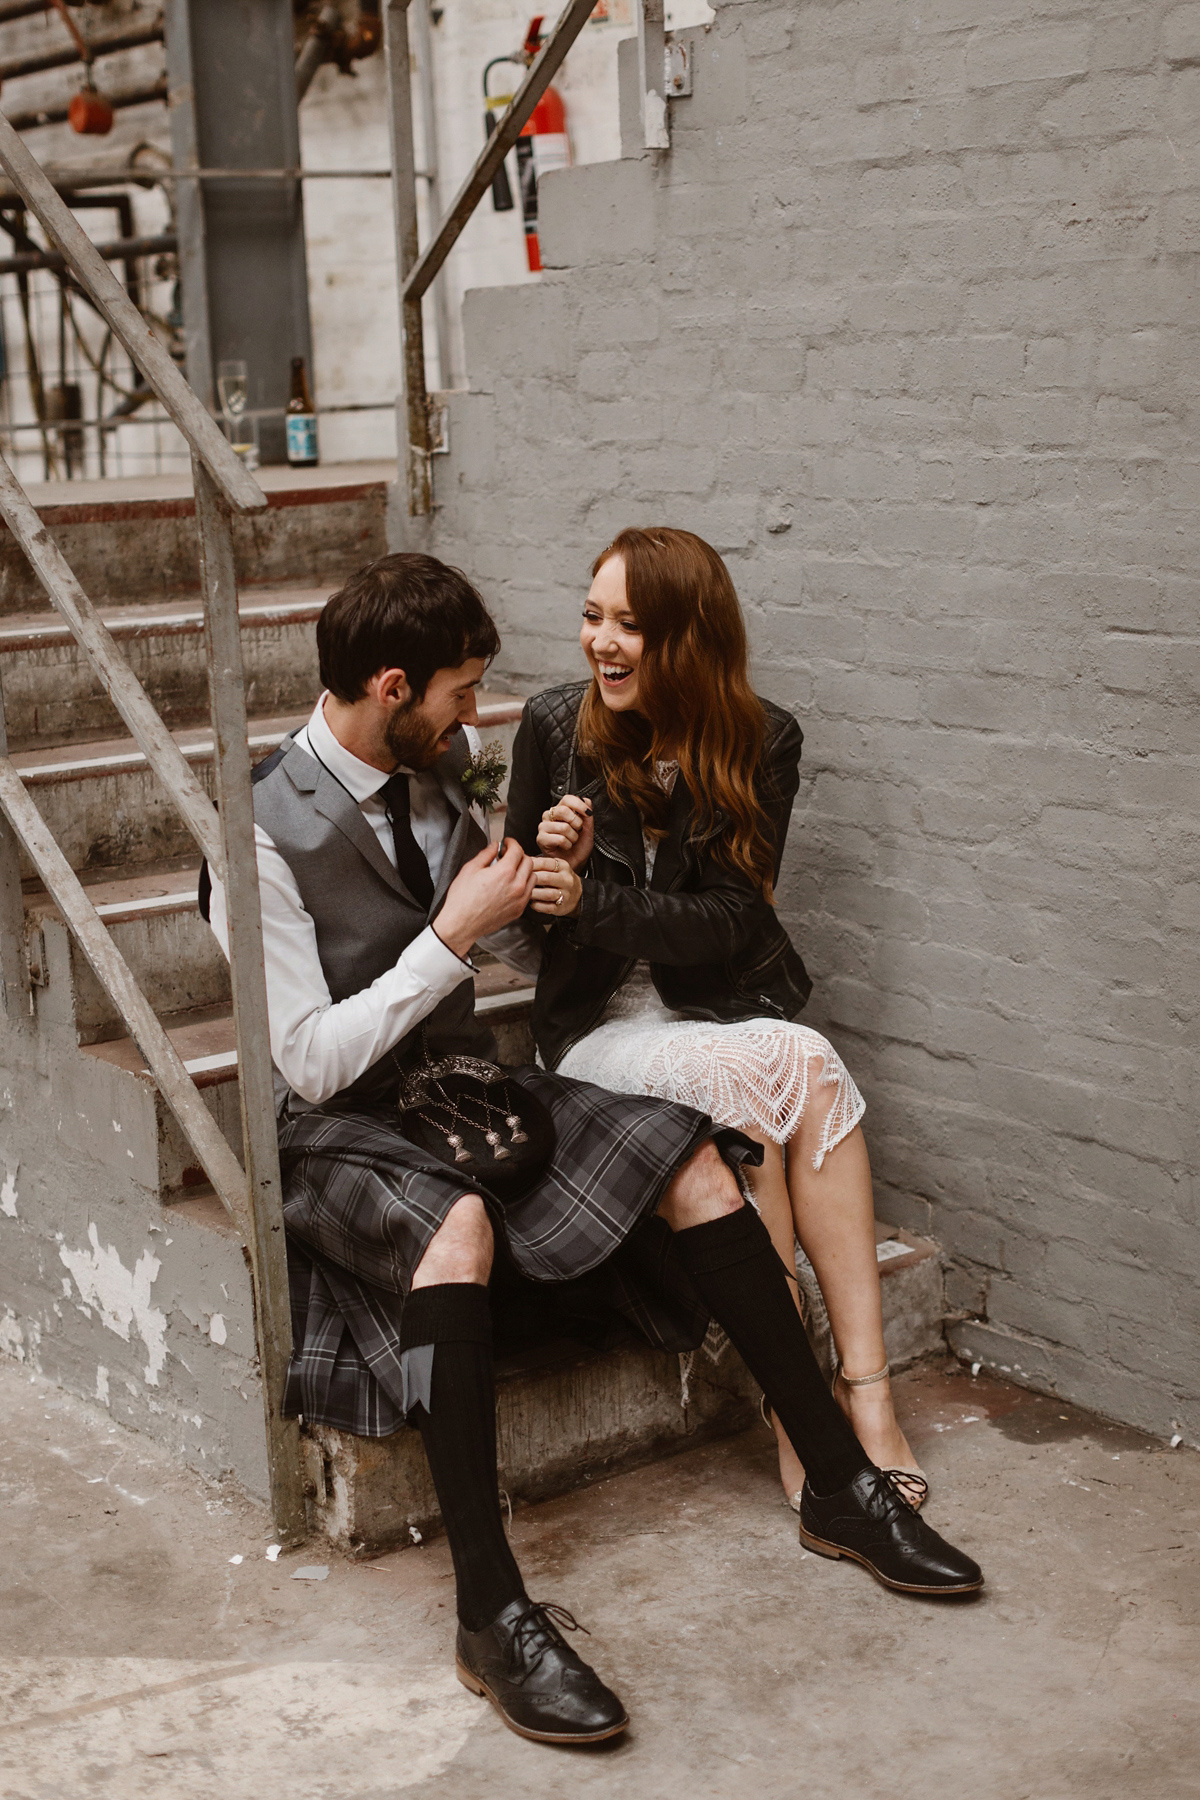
(319, 1046)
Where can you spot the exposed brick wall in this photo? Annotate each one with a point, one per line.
(907, 324)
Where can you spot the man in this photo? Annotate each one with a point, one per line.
(377, 881)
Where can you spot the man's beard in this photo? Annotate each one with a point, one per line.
(412, 740)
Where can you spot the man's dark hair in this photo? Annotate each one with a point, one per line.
(408, 612)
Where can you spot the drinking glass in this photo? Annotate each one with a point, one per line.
(232, 389)
(243, 435)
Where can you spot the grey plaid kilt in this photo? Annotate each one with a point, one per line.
(361, 1203)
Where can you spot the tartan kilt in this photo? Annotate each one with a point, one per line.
(361, 1203)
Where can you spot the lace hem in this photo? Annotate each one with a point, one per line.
(760, 1075)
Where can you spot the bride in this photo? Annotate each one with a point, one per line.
(659, 795)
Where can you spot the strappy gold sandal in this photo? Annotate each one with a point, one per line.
(793, 1500)
(912, 1484)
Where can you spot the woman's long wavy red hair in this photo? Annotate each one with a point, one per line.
(695, 701)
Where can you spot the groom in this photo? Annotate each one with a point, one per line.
(377, 880)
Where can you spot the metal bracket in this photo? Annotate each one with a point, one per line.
(677, 71)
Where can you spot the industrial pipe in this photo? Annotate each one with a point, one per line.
(56, 115)
(329, 41)
(315, 48)
(119, 251)
(105, 45)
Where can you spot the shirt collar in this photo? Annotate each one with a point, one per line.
(360, 780)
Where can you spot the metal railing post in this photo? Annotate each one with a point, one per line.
(14, 970)
(656, 133)
(419, 14)
(412, 412)
(231, 757)
(189, 199)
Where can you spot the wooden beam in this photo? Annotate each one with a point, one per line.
(231, 756)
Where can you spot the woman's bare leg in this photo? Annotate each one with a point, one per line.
(833, 1210)
(774, 1204)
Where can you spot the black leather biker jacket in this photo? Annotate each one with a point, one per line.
(715, 946)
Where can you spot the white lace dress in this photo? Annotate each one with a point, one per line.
(758, 1074)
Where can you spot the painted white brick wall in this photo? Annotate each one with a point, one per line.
(905, 324)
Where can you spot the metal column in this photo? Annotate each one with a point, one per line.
(231, 66)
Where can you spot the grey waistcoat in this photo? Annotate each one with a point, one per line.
(363, 913)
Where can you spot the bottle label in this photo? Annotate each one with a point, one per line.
(301, 437)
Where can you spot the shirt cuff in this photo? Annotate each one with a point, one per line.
(434, 963)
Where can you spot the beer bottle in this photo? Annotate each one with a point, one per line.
(301, 419)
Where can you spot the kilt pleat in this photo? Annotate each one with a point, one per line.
(361, 1203)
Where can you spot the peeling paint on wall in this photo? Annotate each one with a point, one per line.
(216, 1329)
(121, 1295)
(8, 1192)
(12, 1337)
(102, 1384)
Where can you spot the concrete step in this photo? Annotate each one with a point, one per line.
(109, 814)
(106, 809)
(136, 539)
(204, 1037)
(52, 697)
(566, 1415)
(156, 924)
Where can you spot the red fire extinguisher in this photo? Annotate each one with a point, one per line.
(543, 144)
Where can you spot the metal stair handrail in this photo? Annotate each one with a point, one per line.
(225, 833)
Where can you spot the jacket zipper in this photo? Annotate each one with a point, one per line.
(615, 856)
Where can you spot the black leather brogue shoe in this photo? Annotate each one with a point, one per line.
(522, 1663)
(871, 1522)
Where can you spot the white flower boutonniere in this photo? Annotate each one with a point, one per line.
(483, 774)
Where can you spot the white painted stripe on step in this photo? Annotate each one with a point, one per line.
(182, 902)
(54, 632)
(206, 1065)
(891, 1247)
(86, 768)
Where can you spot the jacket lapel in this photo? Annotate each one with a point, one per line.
(335, 804)
(668, 864)
(466, 839)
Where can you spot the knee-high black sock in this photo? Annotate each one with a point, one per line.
(738, 1274)
(459, 1434)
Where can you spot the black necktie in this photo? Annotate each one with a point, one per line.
(411, 865)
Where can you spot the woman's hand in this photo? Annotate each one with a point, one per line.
(557, 889)
(568, 830)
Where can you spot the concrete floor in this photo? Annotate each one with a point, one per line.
(141, 1662)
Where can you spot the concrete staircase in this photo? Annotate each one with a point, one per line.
(121, 1276)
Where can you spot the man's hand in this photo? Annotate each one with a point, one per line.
(568, 830)
(557, 889)
(491, 890)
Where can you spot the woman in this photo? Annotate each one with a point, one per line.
(659, 795)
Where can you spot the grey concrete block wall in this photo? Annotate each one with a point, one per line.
(905, 324)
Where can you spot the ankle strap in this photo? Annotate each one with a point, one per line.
(865, 1380)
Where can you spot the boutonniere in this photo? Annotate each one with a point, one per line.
(483, 774)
